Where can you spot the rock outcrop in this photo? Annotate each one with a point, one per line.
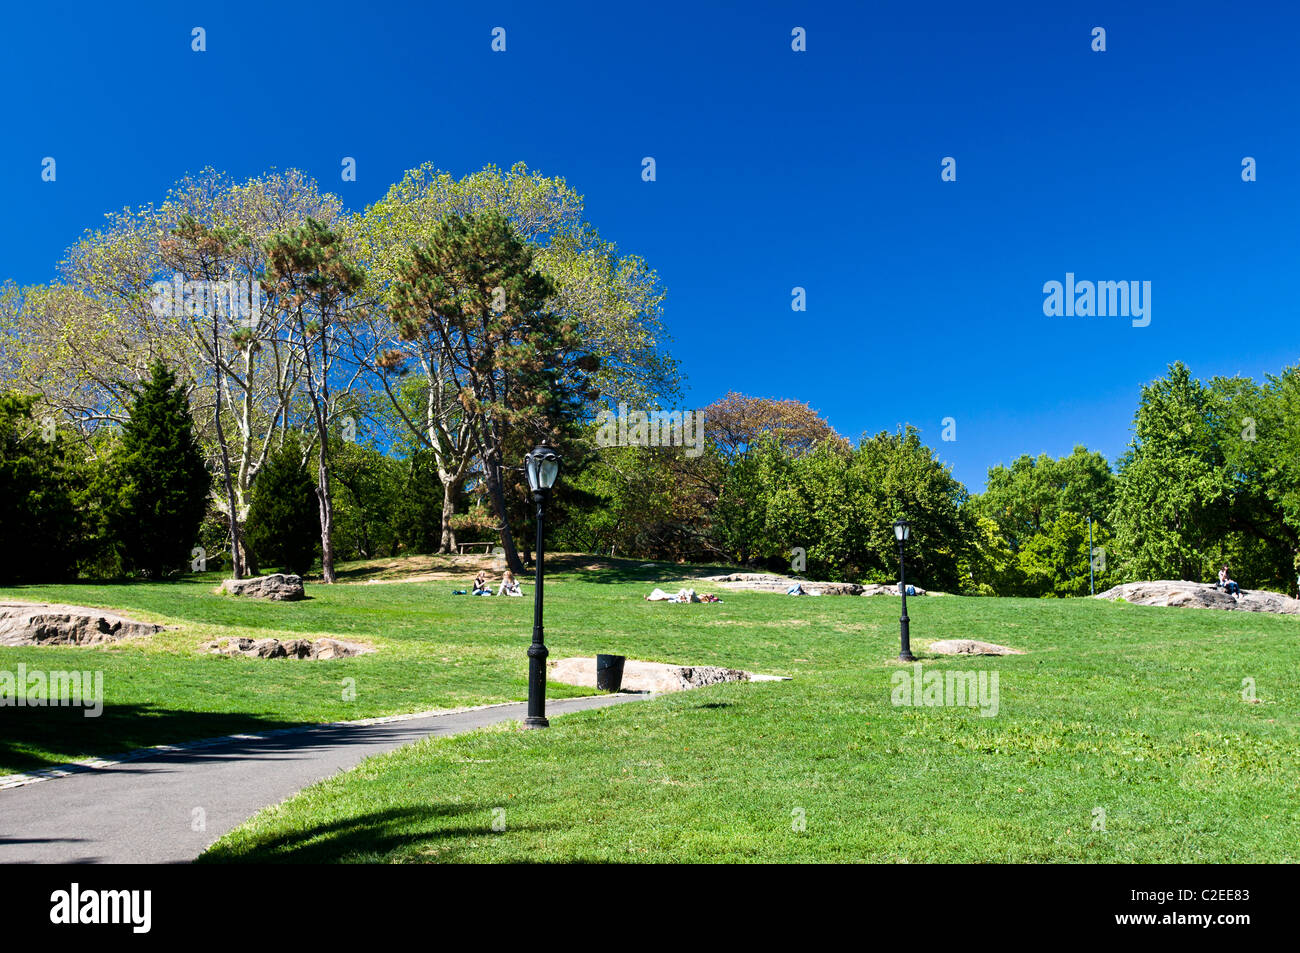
(769, 582)
(278, 587)
(653, 676)
(1200, 595)
(876, 589)
(43, 623)
(320, 650)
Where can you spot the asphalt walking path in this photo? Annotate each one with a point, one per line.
(143, 810)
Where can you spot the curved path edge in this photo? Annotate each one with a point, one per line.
(169, 803)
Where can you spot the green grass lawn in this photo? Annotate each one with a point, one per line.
(1136, 711)
(434, 650)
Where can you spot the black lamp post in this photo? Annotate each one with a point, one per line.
(901, 533)
(542, 466)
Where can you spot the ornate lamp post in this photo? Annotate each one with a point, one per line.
(902, 531)
(542, 466)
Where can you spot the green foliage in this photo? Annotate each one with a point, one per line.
(1056, 562)
(1032, 526)
(839, 505)
(164, 484)
(283, 525)
(368, 487)
(522, 371)
(41, 485)
(417, 516)
(644, 501)
(1171, 512)
(991, 568)
(1025, 498)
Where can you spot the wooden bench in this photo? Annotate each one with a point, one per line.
(463, 548)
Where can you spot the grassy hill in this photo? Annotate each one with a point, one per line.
(1132, 710)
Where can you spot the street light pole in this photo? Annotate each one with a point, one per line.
(542, 466)
(537, 652)
(901, 532)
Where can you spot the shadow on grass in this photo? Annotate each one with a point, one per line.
(34, 738)
(376, 833)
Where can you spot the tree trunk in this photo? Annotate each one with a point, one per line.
(492, 473)
(449, 492)
(326, 518)
(236, 548)
(248, 558)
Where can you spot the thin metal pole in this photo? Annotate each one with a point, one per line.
(537, 651)
(1092, 587)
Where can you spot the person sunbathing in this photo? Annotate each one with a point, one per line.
(509, 587)
(480, 584)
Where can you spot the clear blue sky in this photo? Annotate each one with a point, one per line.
(775, 169)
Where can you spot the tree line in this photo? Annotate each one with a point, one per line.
(248, 376)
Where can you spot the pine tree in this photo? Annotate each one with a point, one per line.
(164, 482)
(283, 526)
(521, 370)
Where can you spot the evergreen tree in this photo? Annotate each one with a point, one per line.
(164, 488)
(283, 526)
(39, 527)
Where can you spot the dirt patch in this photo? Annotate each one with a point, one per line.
(45, 623)
(422, 569)
(654, 676)
(969, 647)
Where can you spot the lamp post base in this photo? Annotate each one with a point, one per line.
(906, 657)
(536, 721)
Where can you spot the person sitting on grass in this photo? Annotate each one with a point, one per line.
(508, 585)
(480, 584)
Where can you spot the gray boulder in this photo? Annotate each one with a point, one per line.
(320, 650)
(1200, 595)
(43, 623)
(278, 587)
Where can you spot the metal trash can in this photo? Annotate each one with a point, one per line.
(609, 672)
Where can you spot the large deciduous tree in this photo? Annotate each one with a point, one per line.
(614, 299)
(518, 371)
(310, 274)
(1171, 509)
